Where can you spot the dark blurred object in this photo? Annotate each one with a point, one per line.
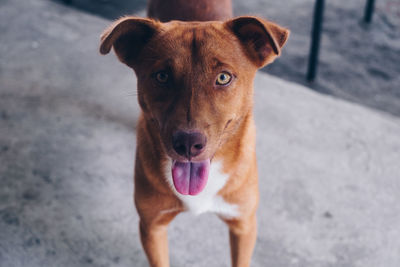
(369, 11)
(110, 9)
(198, 10)
(316, 34)
(315, 39)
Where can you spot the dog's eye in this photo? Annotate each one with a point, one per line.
(223, 78)
(162, 77)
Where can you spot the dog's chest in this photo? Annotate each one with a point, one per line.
(208, 200)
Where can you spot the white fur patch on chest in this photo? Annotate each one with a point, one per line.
(207, 200)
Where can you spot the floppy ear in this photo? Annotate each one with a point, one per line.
(261, 39)
(128, 36)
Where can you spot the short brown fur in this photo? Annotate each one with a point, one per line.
(193, 53)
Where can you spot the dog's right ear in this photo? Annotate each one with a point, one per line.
(128, 36)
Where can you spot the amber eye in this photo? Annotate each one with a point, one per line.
(223, 78)
(162, 77)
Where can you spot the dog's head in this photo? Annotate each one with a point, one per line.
(195, 79)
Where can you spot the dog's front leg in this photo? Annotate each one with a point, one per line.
(242, 237)
(153, 234)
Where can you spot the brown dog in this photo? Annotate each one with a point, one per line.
(196, 134)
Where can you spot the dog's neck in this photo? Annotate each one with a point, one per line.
(190, 10)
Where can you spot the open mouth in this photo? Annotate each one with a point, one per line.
(190, 178)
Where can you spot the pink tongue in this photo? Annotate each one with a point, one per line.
(190, 178)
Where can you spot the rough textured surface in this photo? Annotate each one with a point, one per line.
(329, 170)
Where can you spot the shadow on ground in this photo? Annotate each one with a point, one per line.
(107, 8)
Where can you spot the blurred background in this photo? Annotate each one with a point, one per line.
(328, 149)
(358, 61)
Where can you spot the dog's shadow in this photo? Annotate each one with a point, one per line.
(107, 9)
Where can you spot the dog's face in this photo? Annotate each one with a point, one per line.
(198, 81)
(195, 79)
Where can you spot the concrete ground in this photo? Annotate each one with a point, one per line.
(329, 170)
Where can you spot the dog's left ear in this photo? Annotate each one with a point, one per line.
(128, 36)
(261, 39)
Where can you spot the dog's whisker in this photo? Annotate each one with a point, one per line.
(132, 94)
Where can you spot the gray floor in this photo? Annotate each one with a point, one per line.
(329, 170)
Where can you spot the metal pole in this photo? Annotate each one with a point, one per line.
(369, 11)
(315, 39)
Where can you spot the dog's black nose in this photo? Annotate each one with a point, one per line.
(189, 144)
